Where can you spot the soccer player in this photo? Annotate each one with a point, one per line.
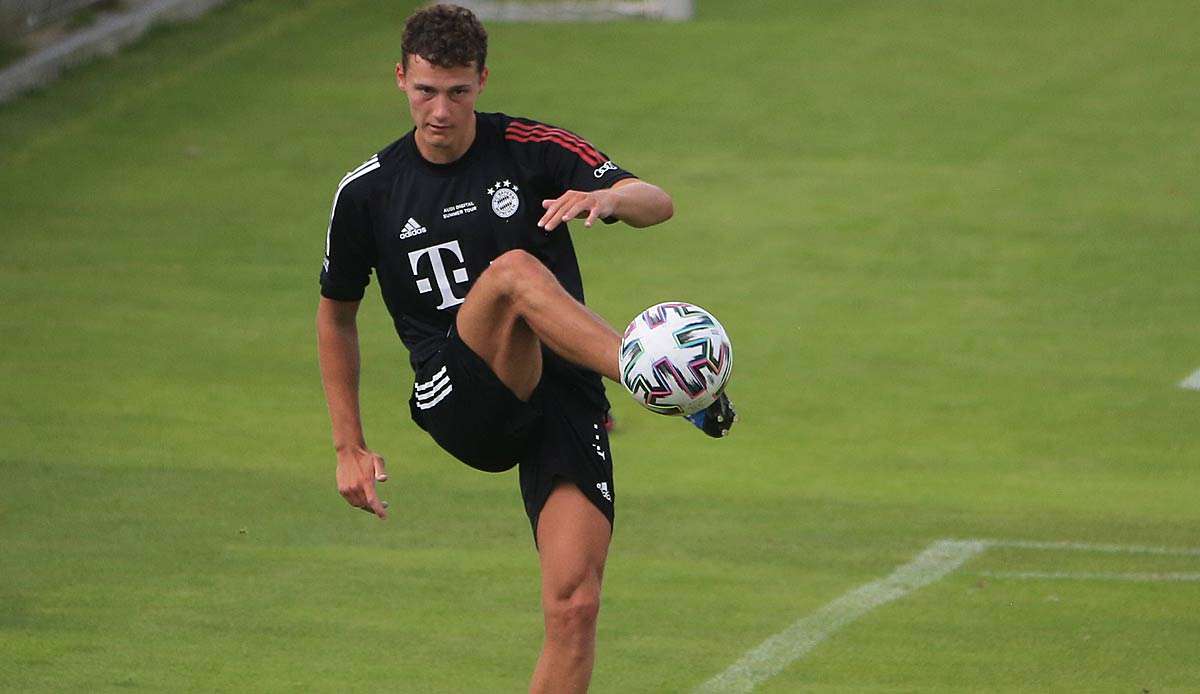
(464, 221)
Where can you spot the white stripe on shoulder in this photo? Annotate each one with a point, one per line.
(373, 160)
(367, 167)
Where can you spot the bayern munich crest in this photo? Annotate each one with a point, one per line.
(505, 201)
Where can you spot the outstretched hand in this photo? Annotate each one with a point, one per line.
(574, 204)
(358, 469)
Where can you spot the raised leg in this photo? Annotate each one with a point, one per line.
(573, 537)
(516, 305)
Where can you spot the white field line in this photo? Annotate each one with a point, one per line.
(938, 560)
(779, 651)
(1191, 382)
(1093, 547)
(1093, 576)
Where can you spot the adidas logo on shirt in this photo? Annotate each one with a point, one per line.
(411, 228)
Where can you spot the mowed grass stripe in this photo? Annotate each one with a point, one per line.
(75, 124)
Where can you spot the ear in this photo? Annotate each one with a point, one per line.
(483, 75)
(400, 76)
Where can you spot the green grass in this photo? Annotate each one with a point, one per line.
(10, 52)
(955, 245)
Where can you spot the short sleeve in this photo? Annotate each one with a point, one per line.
(566, 160)
(349, 243)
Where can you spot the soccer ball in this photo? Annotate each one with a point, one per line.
(675, 358)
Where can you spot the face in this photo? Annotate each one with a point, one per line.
(442, 102)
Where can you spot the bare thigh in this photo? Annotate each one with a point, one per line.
(573, 538)
(489, 324)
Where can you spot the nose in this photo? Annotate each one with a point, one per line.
(441, 107)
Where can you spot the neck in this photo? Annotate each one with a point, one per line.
(446, 152)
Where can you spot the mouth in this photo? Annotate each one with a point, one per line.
(437, 129)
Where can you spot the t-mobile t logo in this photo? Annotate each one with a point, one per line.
(439, 272)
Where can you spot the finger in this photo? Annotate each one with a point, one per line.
(551, 222)
(549, 206)
(380, 470)
(591, 218)
(353, 495)
(374, 504)
(550, 219)
(577, 209)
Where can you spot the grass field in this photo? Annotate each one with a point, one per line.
(955, 243)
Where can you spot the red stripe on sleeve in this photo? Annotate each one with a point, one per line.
(542, 127)
(592, 160)
(542, 133)
(527, 129)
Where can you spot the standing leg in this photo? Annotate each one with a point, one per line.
(573, 537)
(515, 307)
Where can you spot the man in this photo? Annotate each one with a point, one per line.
(464, 222)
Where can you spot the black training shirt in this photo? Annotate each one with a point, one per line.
(428, 230)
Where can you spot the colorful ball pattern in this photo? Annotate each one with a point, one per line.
(675, 358)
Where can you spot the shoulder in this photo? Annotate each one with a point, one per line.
(523, 133)
(359, 181)
(520, 128)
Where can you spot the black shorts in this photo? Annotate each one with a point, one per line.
(558, 435)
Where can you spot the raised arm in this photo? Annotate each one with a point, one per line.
(358, 468)
(633, 201)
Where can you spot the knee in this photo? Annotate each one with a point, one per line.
(572, 615)
(516, 272)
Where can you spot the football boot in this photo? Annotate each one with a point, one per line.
(717, 419)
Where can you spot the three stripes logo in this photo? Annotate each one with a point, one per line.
(433, 391)
(411, 228)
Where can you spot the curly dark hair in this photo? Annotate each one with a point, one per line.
(445, 35)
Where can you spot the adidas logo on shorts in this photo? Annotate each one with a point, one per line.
(603, 487)
(433, 391)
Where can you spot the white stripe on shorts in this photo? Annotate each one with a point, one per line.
(434, 391)
(431, 382)
(431, 403)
